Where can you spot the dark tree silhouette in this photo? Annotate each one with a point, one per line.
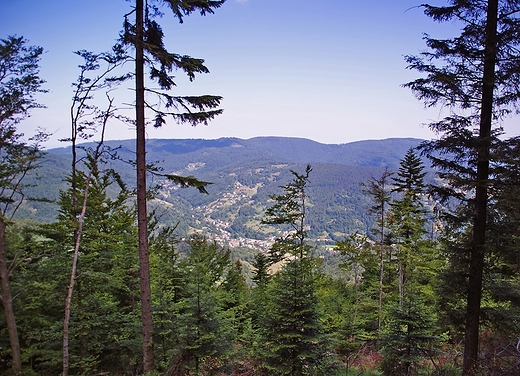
(476, 76)
(19, 83)
(146, 36)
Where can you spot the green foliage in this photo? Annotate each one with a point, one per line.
(19, 80)
(289, 210)
(259, 165)
(261, 273)
(402, 251)
(161, 63)
(408, 215)
(363, 262)
(19, 85)
(378, 190)
(500, 292)
(341, 318)
(106, 287)
(207, 320)
(407, 222)
(475, 75)
(409, 339)
(37, 320)
(291, 333)
(198, 303)
(500, 289)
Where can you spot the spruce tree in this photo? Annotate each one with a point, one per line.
(475, 76)
(363, 262)
(203, 328)
(106, 282)
(379, 190)
(146, 36)
(290, 326)
(292, 332)
(410, 338)
(408, 216)
(261, 265)
(502, 304)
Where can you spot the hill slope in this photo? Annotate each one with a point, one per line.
(244, 173)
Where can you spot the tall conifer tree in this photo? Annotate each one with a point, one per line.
(19, 84)
(146, 36)
(292, 332)
(476, 76)
(379, 191)
(407, 214)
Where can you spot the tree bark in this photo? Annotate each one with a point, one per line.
(380, 298)
(68, 301)
(402, 278)
(6, 299)
(142, 217)
(471, 342)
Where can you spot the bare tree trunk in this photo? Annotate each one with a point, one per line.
(7, 302)
(471, 339)
(68, 301)
(142, 217)
(79, 218)
(70, 289)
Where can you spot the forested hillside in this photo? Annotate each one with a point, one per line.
(243, 174)
(270, 256)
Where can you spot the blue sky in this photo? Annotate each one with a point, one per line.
(327, 70)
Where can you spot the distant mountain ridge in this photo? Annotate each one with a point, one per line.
(244, 174)
(375, 153)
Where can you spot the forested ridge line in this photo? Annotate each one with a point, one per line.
(260, 165)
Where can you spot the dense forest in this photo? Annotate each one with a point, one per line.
(243, 173)
(424, 282)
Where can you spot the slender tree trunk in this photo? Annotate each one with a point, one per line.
(142, 217)
(381, 269)
(7, 302)
(70, 289)
(380, 300)
(471, 343)
(402, 278)
(68, 302)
